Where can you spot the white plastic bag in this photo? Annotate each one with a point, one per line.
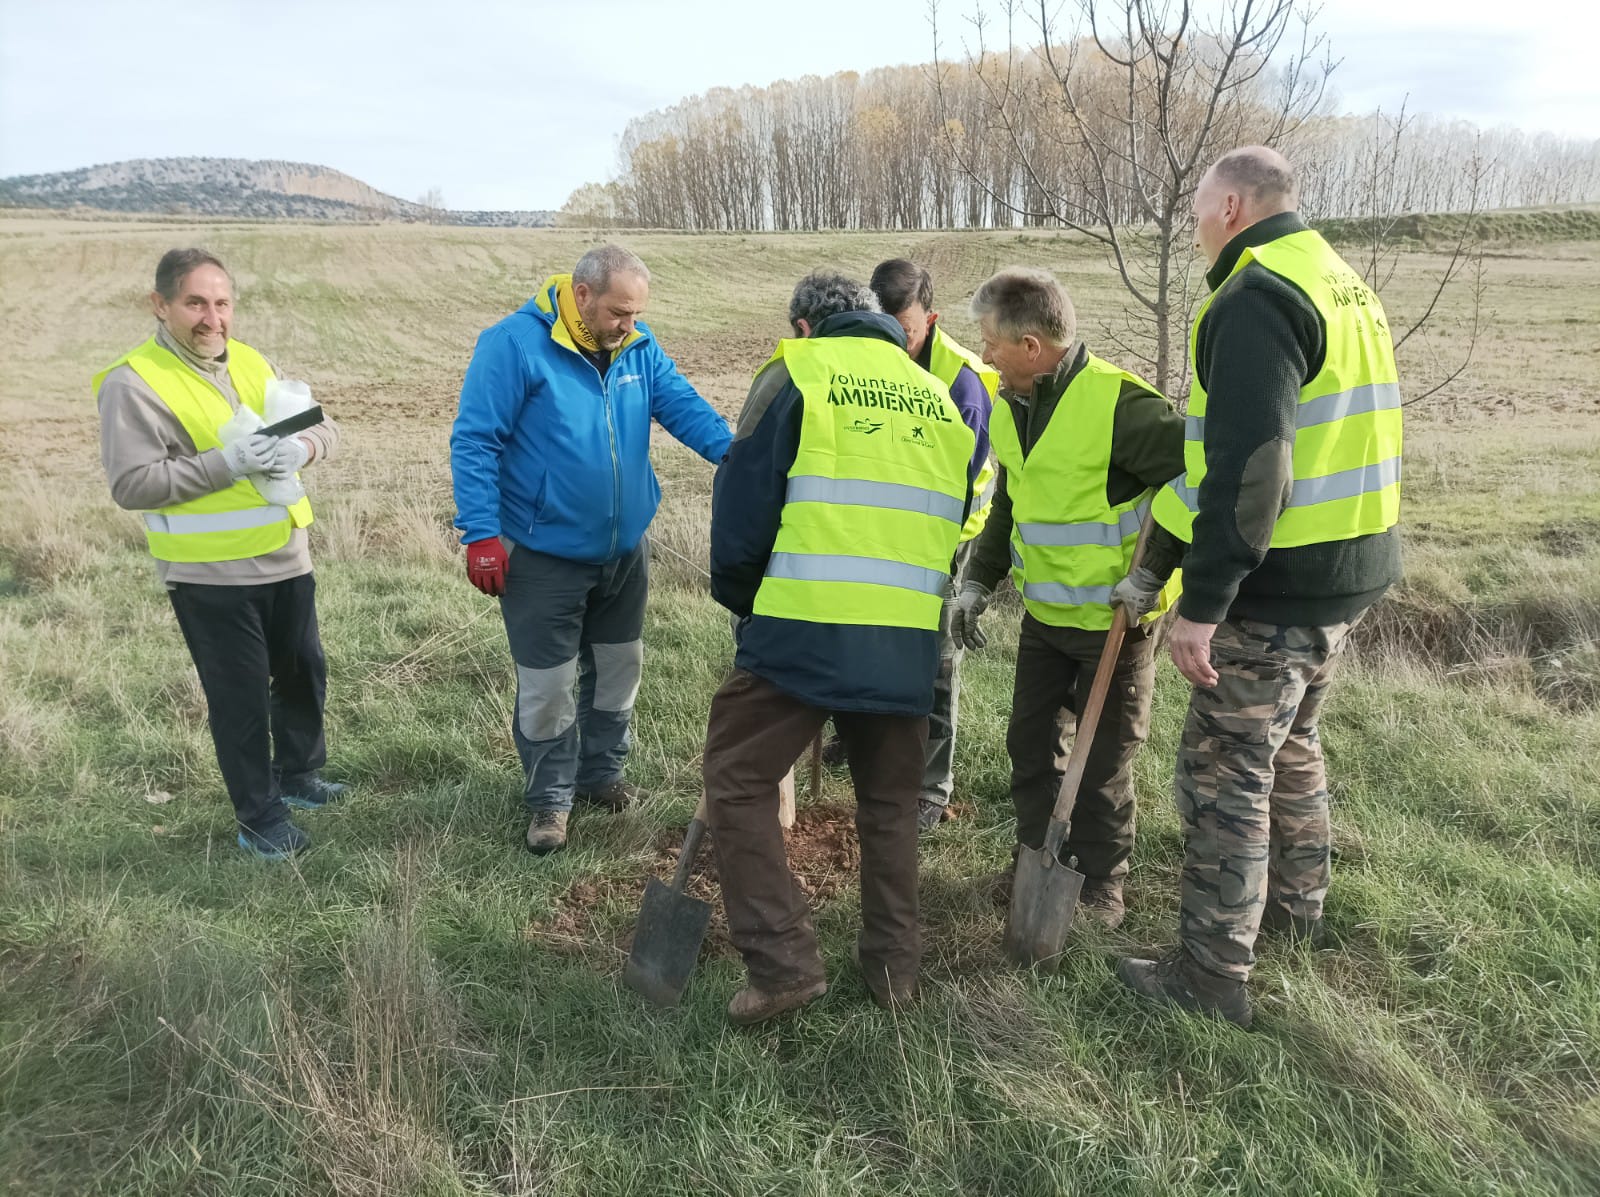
(280, 492)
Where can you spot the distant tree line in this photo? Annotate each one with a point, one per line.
(986, 143)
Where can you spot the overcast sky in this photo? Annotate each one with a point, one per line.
(511, 105)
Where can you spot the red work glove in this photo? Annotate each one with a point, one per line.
(486, 565)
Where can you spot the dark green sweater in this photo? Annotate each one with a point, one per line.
(1146, 450)
(1259, 343)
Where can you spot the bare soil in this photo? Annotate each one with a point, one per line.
(824, 856)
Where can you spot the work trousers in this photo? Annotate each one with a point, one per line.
(575, 632)
(938, 767)
(265, 680)
(755, 732)
(1055, 671)
(1251, 788)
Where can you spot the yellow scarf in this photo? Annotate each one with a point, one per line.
(567, 304)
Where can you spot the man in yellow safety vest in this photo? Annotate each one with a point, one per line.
(1288, 505)
(1082, 446)
(834, 521)
(226, 524)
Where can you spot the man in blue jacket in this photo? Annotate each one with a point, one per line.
(554, 491)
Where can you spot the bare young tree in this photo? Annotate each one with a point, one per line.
(1109, 127)
(431, 202)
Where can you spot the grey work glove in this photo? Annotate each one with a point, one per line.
(253, 454)
(288, 457)
(1139, 592)
(971, 600)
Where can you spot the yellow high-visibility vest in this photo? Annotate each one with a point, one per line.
(1347, 425)
(946, 356)
(228, 524)
(875, 497)
(1069, 546)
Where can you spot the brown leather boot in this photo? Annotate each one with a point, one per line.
(547, 832)
(752, 1005)
(1101, 900)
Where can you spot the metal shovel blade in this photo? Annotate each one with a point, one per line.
(666, 943)
(1044, 897)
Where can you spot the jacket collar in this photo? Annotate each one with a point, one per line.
(873, 325)
(1259, 233)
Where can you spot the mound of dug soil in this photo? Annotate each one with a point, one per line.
(598, 912)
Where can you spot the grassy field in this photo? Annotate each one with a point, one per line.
(419, 1007)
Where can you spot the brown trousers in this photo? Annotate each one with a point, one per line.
(1055, 667)
(755, 732)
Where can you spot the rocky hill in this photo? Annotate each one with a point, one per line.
(236, 187)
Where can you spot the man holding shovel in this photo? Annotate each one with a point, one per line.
(834, 522)
(1289, 504)
(235, 564)
(1082, 445)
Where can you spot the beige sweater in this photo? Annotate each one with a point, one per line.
(151, 462)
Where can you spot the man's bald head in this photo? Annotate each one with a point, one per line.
(1242, 187)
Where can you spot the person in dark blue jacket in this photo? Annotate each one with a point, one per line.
(830, 650)
(550, 461)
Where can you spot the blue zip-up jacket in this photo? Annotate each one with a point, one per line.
(838, 667)
(549, 454)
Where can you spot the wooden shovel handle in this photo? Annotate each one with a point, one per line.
(1089, 718)
(691, 846)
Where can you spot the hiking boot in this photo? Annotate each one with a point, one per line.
(547, 832)
(752, 1004)
(614, 797)
(1101, 900)
(278, 842)
(311, 792)
(1176, 978)
(930, 814)
(1293, 928)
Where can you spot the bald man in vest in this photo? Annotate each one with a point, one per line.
(1285, 520)
(235, 563)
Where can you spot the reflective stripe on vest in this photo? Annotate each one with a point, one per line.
(1069, 547)
(857, 492)
(1092, 532)
(228, 524)
(945, 359)
(837, 567)
(874, 501)
(221, 521)
(1348, 425)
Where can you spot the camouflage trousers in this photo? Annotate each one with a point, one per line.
(1251, 788)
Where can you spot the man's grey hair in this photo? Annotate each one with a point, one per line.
(595, 268)
(1026, 301)
(1261, 173)
(822, 294)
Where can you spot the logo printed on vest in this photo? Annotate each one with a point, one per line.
(918, 436)
(862, 425)
(888, 395)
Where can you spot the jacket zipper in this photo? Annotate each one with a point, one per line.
(611, 435)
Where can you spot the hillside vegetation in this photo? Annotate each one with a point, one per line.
(419, 1007)
(235, 187)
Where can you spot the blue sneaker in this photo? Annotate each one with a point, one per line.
(311, 792)
(278, 842)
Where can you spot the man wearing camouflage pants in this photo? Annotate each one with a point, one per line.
(1289, 501)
